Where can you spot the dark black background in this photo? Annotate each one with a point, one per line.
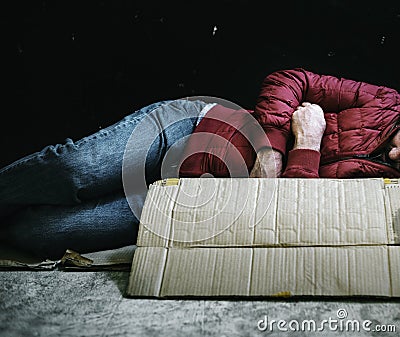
(71, 67)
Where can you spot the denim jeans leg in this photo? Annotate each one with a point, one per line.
(48, 231)
(70, 173)
(71, 194)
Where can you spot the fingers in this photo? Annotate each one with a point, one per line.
(307, 107)
(308, 119)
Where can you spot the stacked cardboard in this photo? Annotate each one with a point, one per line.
(268, 237)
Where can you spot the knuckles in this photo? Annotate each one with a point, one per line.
(309, 117)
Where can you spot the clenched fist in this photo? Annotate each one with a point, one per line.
(308, 126)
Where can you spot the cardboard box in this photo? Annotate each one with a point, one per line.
(268, 237)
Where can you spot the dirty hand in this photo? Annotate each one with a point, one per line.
(268, 164)
(308, 126)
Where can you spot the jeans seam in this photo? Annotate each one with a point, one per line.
(84, 140)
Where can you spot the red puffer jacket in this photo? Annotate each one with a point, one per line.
(360, 118)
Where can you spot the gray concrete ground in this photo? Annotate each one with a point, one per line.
(60, 303)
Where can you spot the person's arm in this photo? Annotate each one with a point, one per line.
(308, 126)
(284, 90)
(281, 93)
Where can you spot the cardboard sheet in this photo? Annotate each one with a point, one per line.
(265, 212)
(327, 271)
(268, 237)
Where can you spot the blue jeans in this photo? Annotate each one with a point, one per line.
(71, 195)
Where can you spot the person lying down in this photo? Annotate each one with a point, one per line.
(303, 125)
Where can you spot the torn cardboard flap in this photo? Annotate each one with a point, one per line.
(113, 259)
(268, 237)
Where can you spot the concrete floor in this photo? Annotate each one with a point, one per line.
(60, 303)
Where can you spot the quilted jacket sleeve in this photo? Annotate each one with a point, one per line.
(281, 93)
(284, 90)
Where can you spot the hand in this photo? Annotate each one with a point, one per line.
(394, 150)
(268, 164)
(308, 126)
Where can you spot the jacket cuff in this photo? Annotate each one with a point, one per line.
(302, 163)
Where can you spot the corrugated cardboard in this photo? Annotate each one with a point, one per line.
(268, 237)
